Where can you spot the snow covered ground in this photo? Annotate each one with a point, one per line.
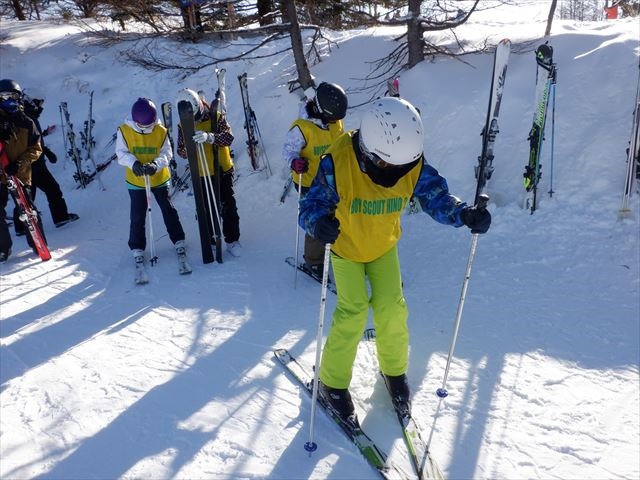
(104, 379)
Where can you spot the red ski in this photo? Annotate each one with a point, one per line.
(27, 211)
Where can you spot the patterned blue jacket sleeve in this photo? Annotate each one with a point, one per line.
(433, 194)
(322, 197)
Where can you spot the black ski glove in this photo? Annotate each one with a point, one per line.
(477, 219)
(50, 155)
(12, 168)
(327, 229)
(150, 168)
(138, 169)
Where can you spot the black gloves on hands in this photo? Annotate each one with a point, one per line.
(138, 169)
(327, 229)
(150, 168)
(477, 219)
(12, 168)
(50, 155)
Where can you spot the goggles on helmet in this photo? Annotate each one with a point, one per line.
(4, 96)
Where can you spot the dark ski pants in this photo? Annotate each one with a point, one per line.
(5, 236)
(138, 215)
(229, 213)
(41, 178)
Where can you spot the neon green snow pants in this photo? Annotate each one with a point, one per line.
(390, 315)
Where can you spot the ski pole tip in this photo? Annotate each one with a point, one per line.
(442, 393)
(310, 447)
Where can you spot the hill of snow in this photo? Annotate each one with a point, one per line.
(104, 379)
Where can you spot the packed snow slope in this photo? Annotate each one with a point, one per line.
(176, 379)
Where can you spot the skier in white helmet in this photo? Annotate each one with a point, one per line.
(355, 202)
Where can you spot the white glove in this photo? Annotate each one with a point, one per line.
(201, 137)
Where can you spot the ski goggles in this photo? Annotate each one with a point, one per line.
(373, 158)
(4, 96)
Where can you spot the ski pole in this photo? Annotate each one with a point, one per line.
(64, 136)
(311, 445)
(442, 393)
(295, 272)
(152, 248)
(553, 127)
(209, 187)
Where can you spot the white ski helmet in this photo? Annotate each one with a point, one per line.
(392, 129)
(186, 94)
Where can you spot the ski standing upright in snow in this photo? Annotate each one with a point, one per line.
(633, 157)
(187, 122)
(80, 176)
(545, 89)
(178, 183)
(484, 169)
(255, 145)
(367, 447)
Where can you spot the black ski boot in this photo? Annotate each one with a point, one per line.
(339, 399)
(398, 387)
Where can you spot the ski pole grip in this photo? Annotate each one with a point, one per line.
(483, 201)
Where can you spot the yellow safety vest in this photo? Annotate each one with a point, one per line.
(224, 154)
(146, 148)
(317, 139)
(369, 214)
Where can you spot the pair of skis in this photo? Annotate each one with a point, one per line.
(195, 156)
(632, 174)
(87, 143)
(423, 463)
(546, 78)
(255, 145)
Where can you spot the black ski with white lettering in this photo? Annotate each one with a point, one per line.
(423, 463)
(374, 455)
(305, 269)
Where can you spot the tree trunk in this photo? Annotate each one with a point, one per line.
(304, 76)
(17, 9)
(552, 12)
(265, 12)
(415, 32)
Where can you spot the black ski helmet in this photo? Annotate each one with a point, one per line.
(144, 112)
(331, 101)
(8, 85)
